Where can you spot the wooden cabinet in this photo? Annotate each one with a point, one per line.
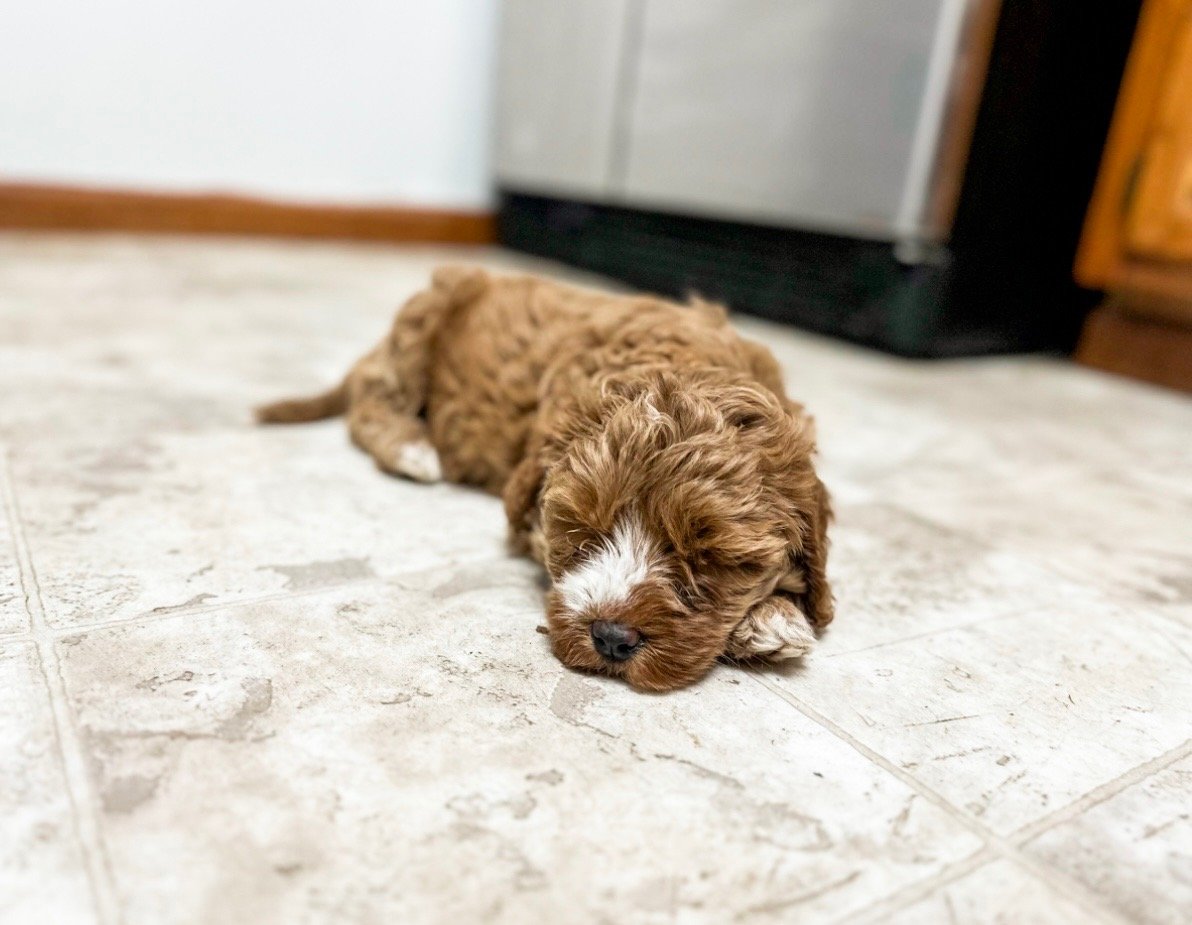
(1160, 218)
(1137, 242)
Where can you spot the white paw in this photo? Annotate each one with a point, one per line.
(775, 630)
(418, 461)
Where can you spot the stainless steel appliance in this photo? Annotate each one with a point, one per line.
(812, 160)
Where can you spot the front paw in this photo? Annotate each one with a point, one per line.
(774, 630)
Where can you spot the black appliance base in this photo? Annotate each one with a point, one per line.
(844, 287)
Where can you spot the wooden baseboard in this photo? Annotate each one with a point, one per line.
(1154, 350)
(26, 206)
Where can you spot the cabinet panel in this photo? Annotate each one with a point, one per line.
(795, 111)
(1122, 246)
(1160, 220)
(558, 79)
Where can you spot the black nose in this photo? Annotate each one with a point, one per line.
(614, 641)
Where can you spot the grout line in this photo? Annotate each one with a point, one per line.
(1061, 883)
(1099, 795)
(939, 631)
(857, 745)
(921, 889)
(1057, 880)
(1168, 620)
(88, 831)
(1172, 618)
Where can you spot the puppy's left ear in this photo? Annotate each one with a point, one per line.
(817, 599)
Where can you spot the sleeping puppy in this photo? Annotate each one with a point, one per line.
(647, 455)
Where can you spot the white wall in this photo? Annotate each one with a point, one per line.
(372, 101)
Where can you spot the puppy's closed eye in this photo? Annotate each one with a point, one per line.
(580, 544)
(747, 420)
(750, 567)
(687, 594)
(579, 554)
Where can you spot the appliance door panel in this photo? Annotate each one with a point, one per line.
(559, 72)
(791, 112)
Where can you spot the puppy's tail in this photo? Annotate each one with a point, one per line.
(299, 410)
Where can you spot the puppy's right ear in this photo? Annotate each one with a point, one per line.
(521, 500)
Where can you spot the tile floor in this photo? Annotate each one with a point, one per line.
(244, 678)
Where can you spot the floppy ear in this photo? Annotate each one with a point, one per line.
(810, 512)
(521, 501)
(817, 598)
(782, 626)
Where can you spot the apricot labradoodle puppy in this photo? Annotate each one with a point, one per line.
(647, 455)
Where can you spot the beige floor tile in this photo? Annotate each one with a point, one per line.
(123, 528)
(411, 752)
(896, 575)
(1129, 541)
(1000, 893)
(186, 336)
(1014, 718)
(1068, 414)
(1134, 850)
(13, 618)
(42, 876)
(921, 429)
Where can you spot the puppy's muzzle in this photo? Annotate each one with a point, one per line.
(615, 641)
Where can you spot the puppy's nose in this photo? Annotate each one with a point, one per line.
(615, 641)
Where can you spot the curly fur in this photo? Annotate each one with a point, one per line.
(648, 457)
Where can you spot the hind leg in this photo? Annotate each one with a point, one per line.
(386, 396)
(397, 442)
(387, 389)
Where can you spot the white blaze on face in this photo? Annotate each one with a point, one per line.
(611, 574)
